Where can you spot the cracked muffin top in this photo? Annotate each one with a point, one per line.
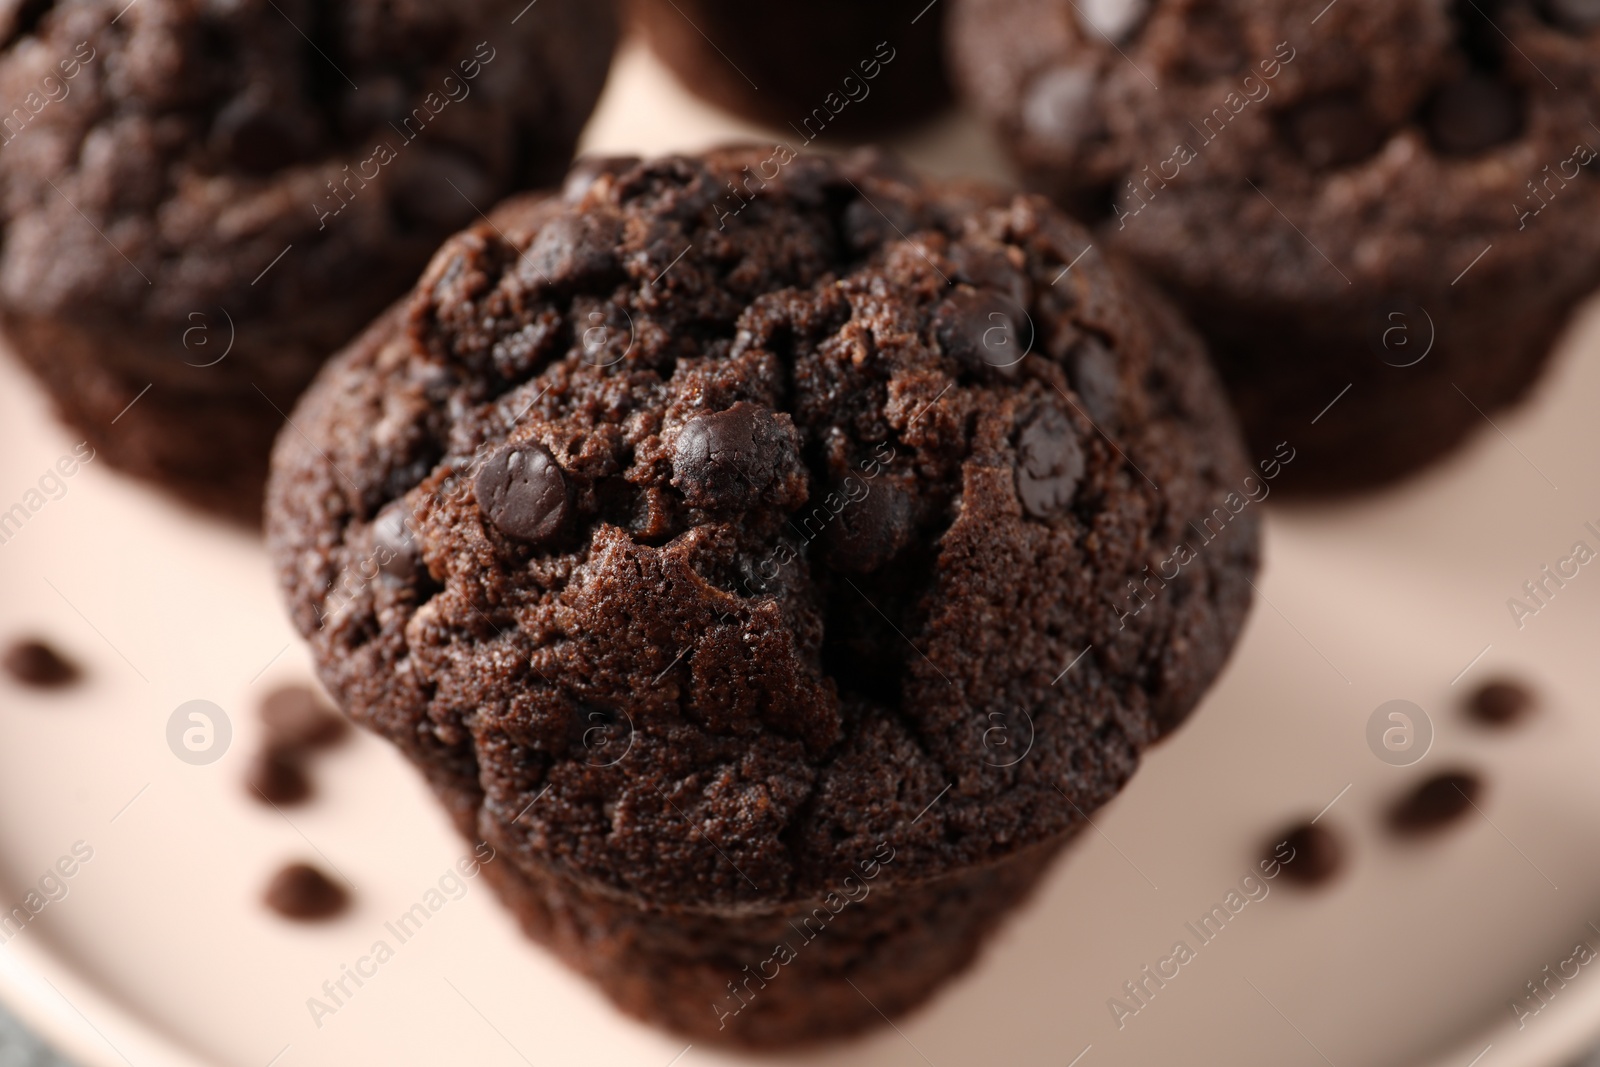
(702, 527)
(158, 155)
(1398, 138)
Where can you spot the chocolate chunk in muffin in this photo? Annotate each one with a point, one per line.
(1378, 214)
(732, 459)
(216, 197)
(524, 493)
(729, 640)
(1050, 464)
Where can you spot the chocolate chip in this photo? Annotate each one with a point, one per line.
(436, 189)
(1316, 853)
(522, 490)
(1439, 800)
(982, 328)
(1050, 464)
(1473, 115)
(296, 718)
(1114, 20)
(1060, 107)
(589, 169)
(1092, 370)
(32, 662)
(988, 267)
(394, 544)
(573, 249)
(727, 459)
(1334, 132)
(277, 776)
(256, 137)
(1574, 14)
(300, 891)
(869, 529)
(869, 225)
(1500, 702)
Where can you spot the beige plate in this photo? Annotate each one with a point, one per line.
(159, 954)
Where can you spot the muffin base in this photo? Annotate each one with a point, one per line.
(801, 973)
(1323, 379)
(152, 409)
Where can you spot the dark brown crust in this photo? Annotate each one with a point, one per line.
(138, 236)
(1294, 272)
(786, 63)
(779, 719)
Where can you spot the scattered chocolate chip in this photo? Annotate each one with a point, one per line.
(1050, 464)
(727, 459)
(523, 492)
(256, 137)
(300, 891)
(32, 662)
(1115, 20)
(1500, 702)
(869, 529)
(394, 544)
(1574, 14)
(1316, 853)
(1060, 107)
(982, 328)
(1439, 800)
(1092, 369)
(1473, 115)
(1334, 132)
(573, 249)
(278, 776)
(296, 718)
(589, 169)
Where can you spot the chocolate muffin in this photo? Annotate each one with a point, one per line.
(776, 591)
(203, 201)
(828, 68)
(1379, 212)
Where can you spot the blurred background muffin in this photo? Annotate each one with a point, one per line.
(203, 200)
(1380, 212)
(834, 67)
